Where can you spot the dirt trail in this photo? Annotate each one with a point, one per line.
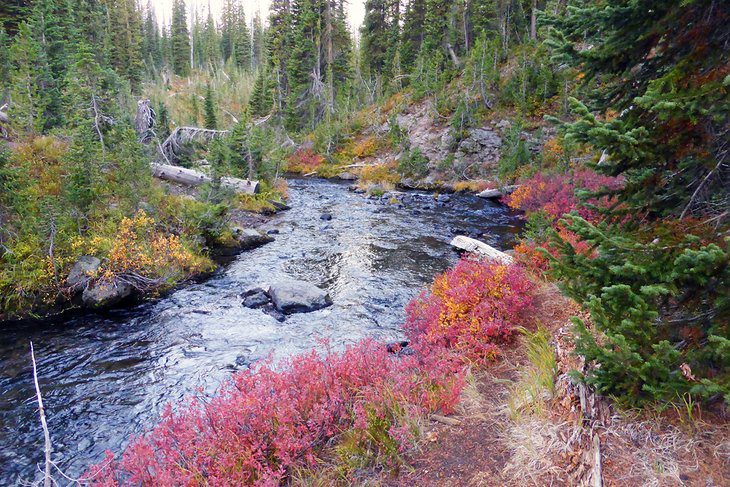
(489, 446)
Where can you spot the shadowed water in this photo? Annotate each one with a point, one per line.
(107, 376)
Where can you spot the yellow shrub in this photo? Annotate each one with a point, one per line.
(380, 173)
(470, 186)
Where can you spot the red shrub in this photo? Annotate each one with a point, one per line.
(471, 308)
(305, 161)
(264, 422)
(555, 194)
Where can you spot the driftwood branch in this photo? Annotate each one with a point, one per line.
(46, 435)
(480, 248)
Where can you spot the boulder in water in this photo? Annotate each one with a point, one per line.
(105, 294)
(293, 296)
(256, 300)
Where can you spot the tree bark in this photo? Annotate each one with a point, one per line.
(189, 177)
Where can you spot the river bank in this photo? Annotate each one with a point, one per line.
(117, 369)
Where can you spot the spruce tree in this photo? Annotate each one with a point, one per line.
(657, 277)
(258, 47)
(242, 40)
(180, 39)
(211, 117)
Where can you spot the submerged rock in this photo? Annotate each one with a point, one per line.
(325, 216)
(293, 296)
(80, 274)
(256, 300)
(105, 294)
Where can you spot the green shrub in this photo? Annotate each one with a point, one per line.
(661, 311)
(413, 164)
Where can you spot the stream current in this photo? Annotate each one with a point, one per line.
(107, 376)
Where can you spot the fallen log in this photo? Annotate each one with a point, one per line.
(480, 248)
(493, 193)
(189, 177)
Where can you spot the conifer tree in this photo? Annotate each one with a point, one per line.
(242, 40)
(412, 38)
(180, 39)
(258, 47)
(151, 40)
(211, 117)
(658, 295)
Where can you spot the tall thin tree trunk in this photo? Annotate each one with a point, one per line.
(533, 21)
(330, 61)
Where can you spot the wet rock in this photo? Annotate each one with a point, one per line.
(249, 238)
(256, 300)
(325, 216)
(443, 198)
(347, 176)
(279, 206)
(105, 294)
(243, 361)
(80, 274)
(271, 310)
(400, 349)
(293, 296)
(273, 231)
(394, 347)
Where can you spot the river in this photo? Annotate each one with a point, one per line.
(107, 376)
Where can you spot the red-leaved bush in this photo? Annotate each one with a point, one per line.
(265, 422)
(268, 421)
(555, 194)
(471, 308)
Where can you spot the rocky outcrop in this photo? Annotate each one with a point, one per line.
(480, 149)
(293, 296)
(81, 273)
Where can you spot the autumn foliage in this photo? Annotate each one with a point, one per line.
(266, 422)
(472, 308)
(557, 195)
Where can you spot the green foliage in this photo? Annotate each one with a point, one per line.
(515, 154)
(180, 39)
(413, 164)
(658, 307)
(209, 108)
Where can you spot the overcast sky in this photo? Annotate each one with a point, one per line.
(163, 8)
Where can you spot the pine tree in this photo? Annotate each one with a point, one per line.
(25, 54)
(258, 42)
(262, 97)
(151, 40)
(4, 65)
(228, 27)
(412, 38)
(163, 121)
(211, 118)
(242, 40)
(180, 39)
(125, 32)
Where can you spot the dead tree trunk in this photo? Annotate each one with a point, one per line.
(189, 177)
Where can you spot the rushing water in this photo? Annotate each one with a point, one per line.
(107, 376)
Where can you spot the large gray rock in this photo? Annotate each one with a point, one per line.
(81, 272)
(292, 296)
(105, 294)
(249, 238)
